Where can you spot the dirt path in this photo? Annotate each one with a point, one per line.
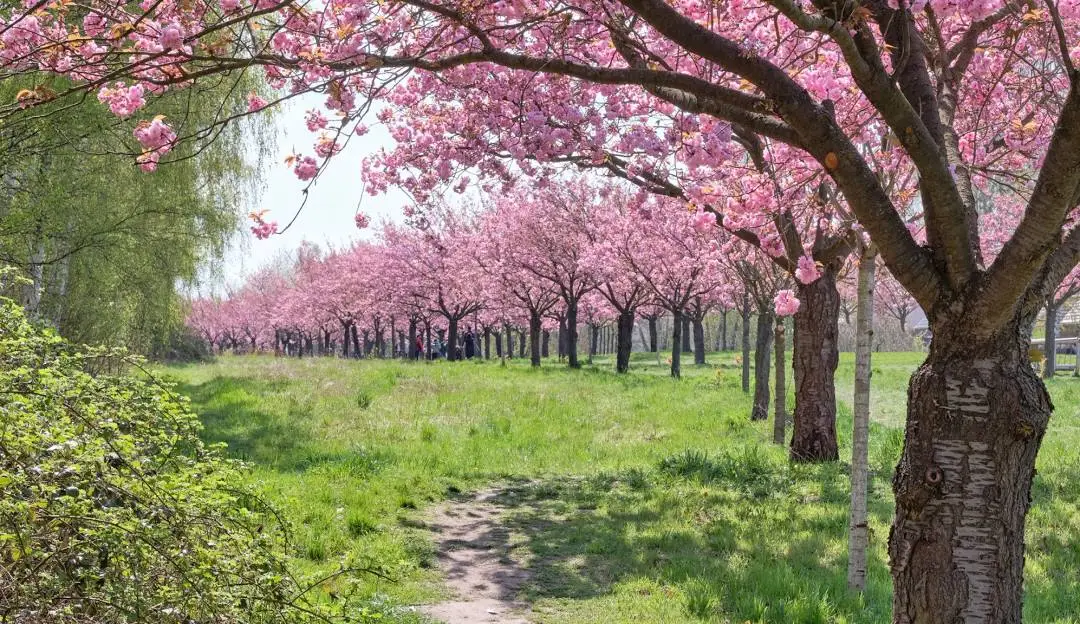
(474, 553)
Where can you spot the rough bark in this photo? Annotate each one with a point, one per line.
(676, 343)
(534, 338)
(1050, 344)
(699, 340)
(814, 359)
(521, 344)
(625, 341)
(653, 346)
(545, 348)
(780, 402)
(858, 532)
(762, 360)
(746, 343)
(413, 353)
(355, 341)
(977, 413)
(686, 346)
(487, 343)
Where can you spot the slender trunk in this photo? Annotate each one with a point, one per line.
(571, 333)
(509, 341)
(977, 413)
(746, 343)
(534, 338)
(1050, 344)
(814, 359)
(652, 335)
(487, 343)
(427, 340)
(451, 340)
(545, 345)
(562, 338)
(413, 354)
(686, 346)
(723, 330)
(780, 402)
(33, 290)
(858, 532)
(355, 341)
(676, 343)
(762, 360)
(521, 344)
(594, 340)
(624, 341)
(699, 340)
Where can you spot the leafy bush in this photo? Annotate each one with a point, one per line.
(113, 510)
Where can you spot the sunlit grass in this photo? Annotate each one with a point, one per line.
(632, 498)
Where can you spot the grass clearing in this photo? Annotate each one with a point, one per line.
(631, 498)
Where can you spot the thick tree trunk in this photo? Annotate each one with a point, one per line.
(780, 402)
(814, 359)
(1050, 344)
(676, 343)
(977, 413)
(858, 532)
(653, 347)
(534, 338)
(699, 341)
(413, 354)
(746, 343)
(355, 341)
(624, 343)
(571, 334)
(686, 346)
(762, 359)
(451, 340)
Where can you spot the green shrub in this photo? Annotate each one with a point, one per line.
(113, 510)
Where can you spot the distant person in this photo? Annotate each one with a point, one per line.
(470, 345)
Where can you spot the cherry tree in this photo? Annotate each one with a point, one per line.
(512, 238)
(968, 94)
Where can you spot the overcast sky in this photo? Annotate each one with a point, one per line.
(328, 215)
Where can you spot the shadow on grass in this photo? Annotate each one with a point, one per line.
(759, 556)
(261, 423)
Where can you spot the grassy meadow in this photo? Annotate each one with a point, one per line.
(632, 498)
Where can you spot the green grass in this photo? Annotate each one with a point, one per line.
(632, 498)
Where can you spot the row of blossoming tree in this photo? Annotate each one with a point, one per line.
(909, 122)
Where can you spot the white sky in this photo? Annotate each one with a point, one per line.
(328, 216)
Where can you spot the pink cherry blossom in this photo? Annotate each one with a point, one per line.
(786, 303)
(807, 271)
